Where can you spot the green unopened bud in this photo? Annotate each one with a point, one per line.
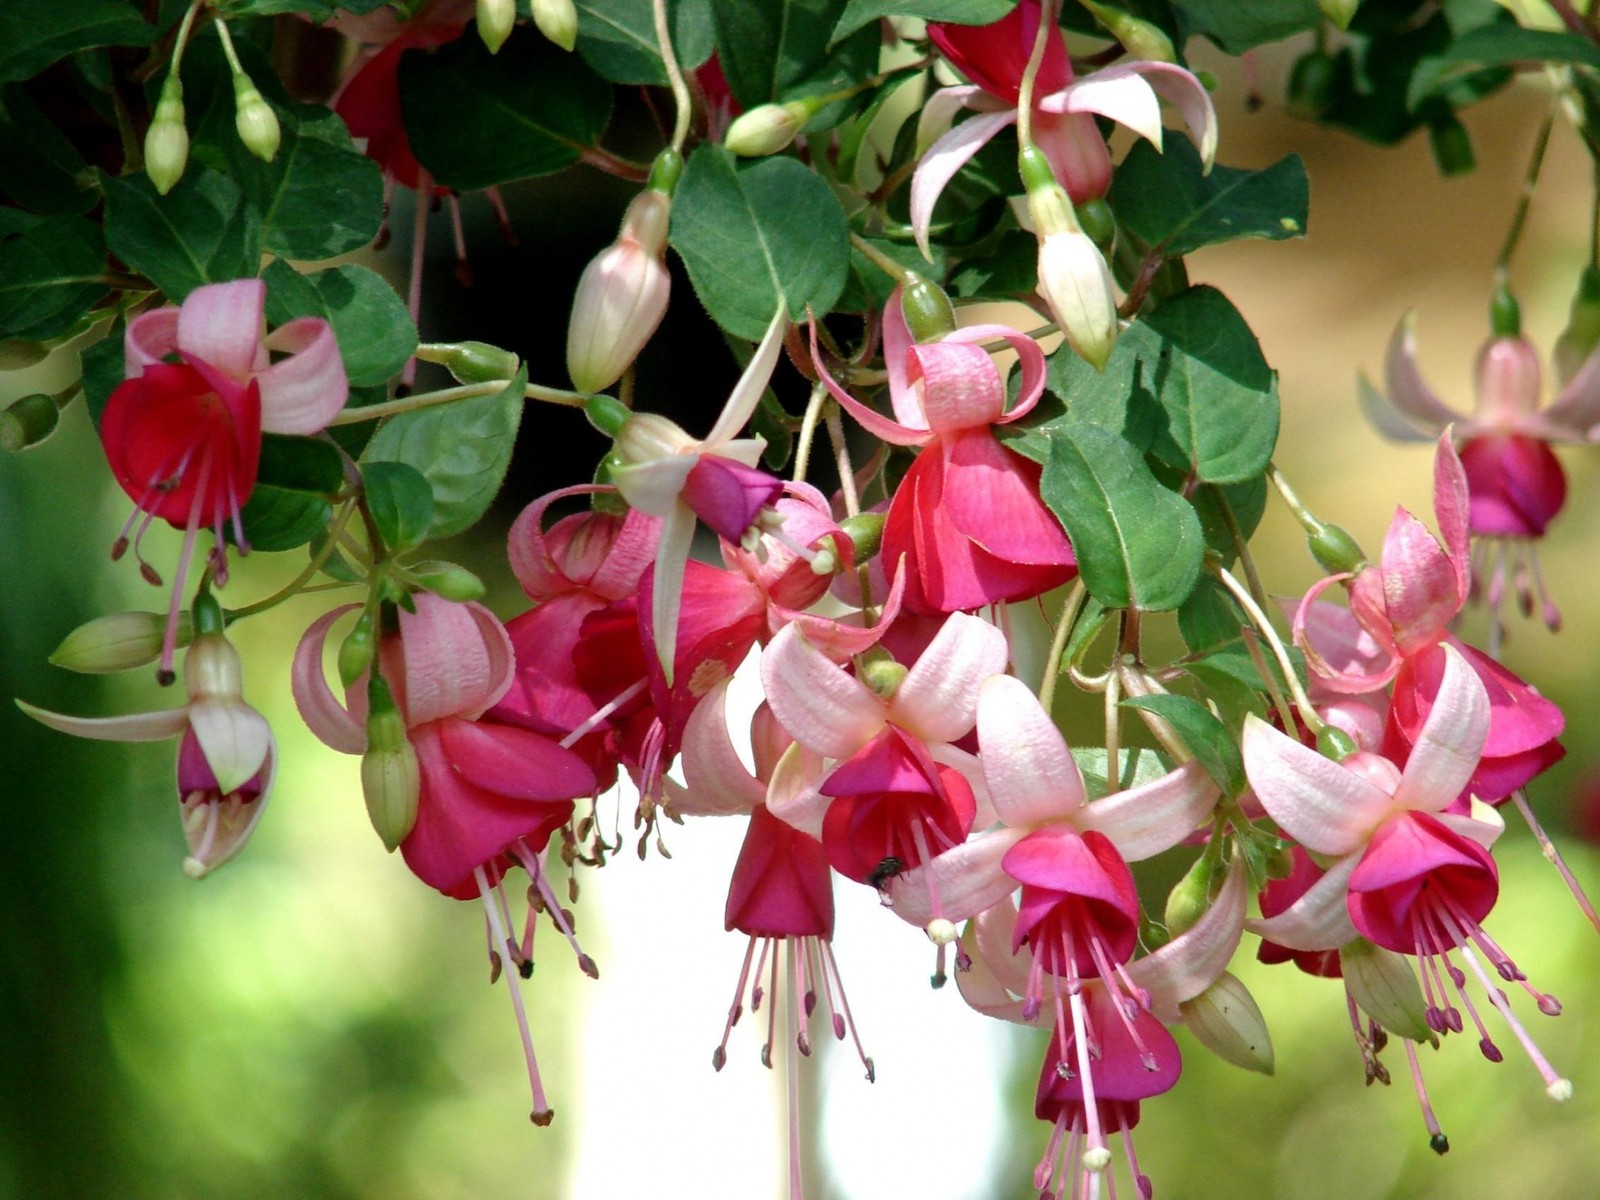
(1335, 743)
(166, 143)
(1335, 549)
(1452, 146)
(1385, 986)
(15, 355)
(254, 119)
(1582, 334)
(1138, 37)
(28, 422)
(556, 19)
(1036, 171)
(357, 649)
(1097, 220)
(1191, 896)
(1505, 314)
(1339, 11)
(666, 171)
(883, 676)
(118, 642)
(768, 128)
(478, 362)
(928, 311)
(496, 17)
(1311, 85)
(1227, 1021)
(390, 781)
(607, 414)
(865, 531)
(448, 581)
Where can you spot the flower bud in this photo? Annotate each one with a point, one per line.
(166, 143)
(496, 17)
(556, 19)
(16, 354)
(883, 676)
(1191, 896)
(767, 128)
(1335, 743)
(118, 642)
(1096, 219)
(865, 531)
(256, 122)
(928, 311)
(1076, 285)
(1335, 549)
(357, 649)
(391, 783)
(1582, 334)
(1138, 37)
(1227, 1022)
(1339, 11)
(448, 581)
(478, 362)
(1384, 984)
(621, 297)
(28, 422)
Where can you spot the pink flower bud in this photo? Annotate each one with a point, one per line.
(621, 298)
(1508, 382)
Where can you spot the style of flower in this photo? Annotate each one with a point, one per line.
(967, 518)
(1407, 870)
(994, 57)
(1404, 605)
(491, 794)
(1515, 485)
(226, 753)
(184, 439)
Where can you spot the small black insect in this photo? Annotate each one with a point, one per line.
(889, 868)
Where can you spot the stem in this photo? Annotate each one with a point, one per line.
(1058, 643)
(1308, 714)
(467, 391)
(896, 271)
(1030, 75)
(1241, 545)
(1253, 644)
(294, 586)
(808, 430)
(227, 48)
(611, 164)
(182, 41)
(680, 89)
(1140, 288)
(1530, 180)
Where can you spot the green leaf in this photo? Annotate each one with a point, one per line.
(1220, 397)
(1009, 270)
(43, 170)
(1135, 768)
(197, 233)
(779, 48)
(758, 235)
(369, 320)
(858, 13)
(477, 119)
(103, 363)
(1206, 736)
(1239, 25)
(277, 518)
(49, 274)
(1168, 202)
(462, 448)
(1138, 544)
(1502, 44)
(1210, 617)
(1248, 503)
(401, 502)
(618, 38)
(300, 464)
(35, 33)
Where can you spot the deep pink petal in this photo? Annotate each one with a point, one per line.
(1413, 864)
(514, 763)
(1446, 748)
(782, 885)
(1516, 483)
(873, 422)
(994, 56)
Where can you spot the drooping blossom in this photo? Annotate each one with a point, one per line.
(967, 517)
(994, 57)
(1515, 484)
(1396, 630)
(226, 753)
(491, 793)
(184, 439)
(1407, 870)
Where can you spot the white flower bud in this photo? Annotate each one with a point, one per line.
(766, 129)
(621, 297)
(254, 119)
(1076, 285)
(391, 785)
(495, 19)
(117, 642)
(1227, 1022)
(166, 143)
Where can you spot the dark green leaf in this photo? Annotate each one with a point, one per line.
(858, 13)
(316, 10)
(1121, 399)
(35, 33)
(1209, 617)
(1245, 501)
(1168, 202)
(1220, 397)
(1502, 44)
(370, 321)
(780, 48)
(758, 235)
(401, 502)
(869, 285)
(49, 274)
(42, 169)
(477, 119)
(462, 448)
(1009, 270)
(103, 364)
(618, 38)
(1239, 25)
(280, 519)
(1138, 544)
(300, 464)
(1207, 737)
(197, 233)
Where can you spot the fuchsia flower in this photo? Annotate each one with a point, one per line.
(1515, 484)
(1407, 870)
(1404, 606)
(994, 58)
(226, 753)
(967, 517)
(184, 439)
(491, 793)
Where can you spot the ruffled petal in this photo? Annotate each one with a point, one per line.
(319, 709)
(874, 423)
(302, 393)
(150, 337)
(221, 323)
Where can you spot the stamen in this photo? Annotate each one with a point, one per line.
(772, 1009)
(719, 1056)
(1549, 612)
(502, 219)
(534, 865)
(1553, 856)
(849, 1022)
(542, 1114)
(419, 241)
(463, 267)
(796, 1190)
(1437, 1141)
(169, 638)
(1096, 1155)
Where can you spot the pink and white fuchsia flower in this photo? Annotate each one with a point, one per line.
(1515, 484)
(1407, 869)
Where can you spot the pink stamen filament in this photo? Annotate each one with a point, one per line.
(533, 864)
(463, 267)
(849, 1021)
(542, 1113)
(1553, 856)
(796, 1190)
(719, 1056)
(169, 637)
(601, 713)
(772, 1009)
(1436, 1137)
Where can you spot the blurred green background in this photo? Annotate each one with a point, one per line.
(313, 1023)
